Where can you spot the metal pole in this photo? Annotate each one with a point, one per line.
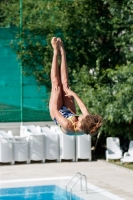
(97, 141)
(72, 179)
(85, 183)
(21, 76)
(21, 4)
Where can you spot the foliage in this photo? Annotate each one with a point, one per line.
(98, 40)
(2, 18)
(113, 103)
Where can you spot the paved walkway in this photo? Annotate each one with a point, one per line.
(115, 179)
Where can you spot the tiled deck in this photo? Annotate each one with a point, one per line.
(108, 177)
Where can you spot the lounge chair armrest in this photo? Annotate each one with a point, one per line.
(126, 154)
(120, 152)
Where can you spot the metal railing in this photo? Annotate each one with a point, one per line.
(79, 179)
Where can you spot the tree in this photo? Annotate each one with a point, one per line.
(2, 18)
(114, 103)
(97, 37)
(99, 32)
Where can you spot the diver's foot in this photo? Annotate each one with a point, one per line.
(55, 44)
(61, 47)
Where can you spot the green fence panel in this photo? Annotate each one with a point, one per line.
(21, 99)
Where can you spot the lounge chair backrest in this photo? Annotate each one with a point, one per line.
(6, 134)
(31, 128)
(130, 150)
(3, 133)
(46, 129)
(34, 129)
(20, 139)
(113, 145)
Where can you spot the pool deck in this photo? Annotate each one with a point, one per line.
(114, 179)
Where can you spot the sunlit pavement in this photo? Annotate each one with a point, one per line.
(109, 177)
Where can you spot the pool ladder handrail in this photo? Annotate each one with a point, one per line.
(80, 178)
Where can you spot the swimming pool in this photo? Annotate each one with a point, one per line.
(50, 189)
(47, 192)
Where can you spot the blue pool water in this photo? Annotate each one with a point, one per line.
(47, 192)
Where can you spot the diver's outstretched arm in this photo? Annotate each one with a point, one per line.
(80, 103)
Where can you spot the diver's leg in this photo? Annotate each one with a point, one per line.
(55, 78)
(67, 101)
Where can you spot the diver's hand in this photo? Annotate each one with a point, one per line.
(69, 92)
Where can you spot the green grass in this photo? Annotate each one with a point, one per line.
(101, 156)
(126, 165)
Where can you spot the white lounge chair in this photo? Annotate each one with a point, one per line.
(83, 147)
(54, 128)
(6, 134)
(6, 147)
(51, 144)
(36, 141)
(36, 130)
(67, 146)
(113, 151)
(21, 149)
(128, 156)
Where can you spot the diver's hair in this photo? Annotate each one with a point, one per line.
(91, 124)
